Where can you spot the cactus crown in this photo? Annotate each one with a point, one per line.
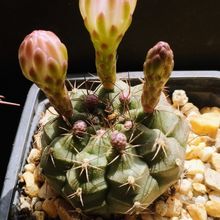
(121, 146)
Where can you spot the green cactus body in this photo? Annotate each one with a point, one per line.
(120, 162)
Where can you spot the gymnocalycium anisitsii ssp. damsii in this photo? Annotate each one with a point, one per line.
(116, 148)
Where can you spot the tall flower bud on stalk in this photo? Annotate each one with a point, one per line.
(157, 69)
(43, 60)
(107, 21)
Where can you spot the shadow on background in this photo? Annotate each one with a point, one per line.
(190, 27)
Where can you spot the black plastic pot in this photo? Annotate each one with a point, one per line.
(202, 88)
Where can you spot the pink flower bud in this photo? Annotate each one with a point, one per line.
(43, 60)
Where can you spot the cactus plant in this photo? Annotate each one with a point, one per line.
(122, 146)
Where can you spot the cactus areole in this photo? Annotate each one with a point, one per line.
(122, 146)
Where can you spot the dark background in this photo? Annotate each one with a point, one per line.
(191, 27)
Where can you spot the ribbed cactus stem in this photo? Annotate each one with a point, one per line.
(157, 69)
(111, 160)
(106, 69)
(107, 168)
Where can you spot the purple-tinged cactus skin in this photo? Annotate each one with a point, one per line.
(79, 127)
(157, 69)
(91, 102)
(107, 21)
(124, 97)
(128, 125)
(118, 141)
(43, 60)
